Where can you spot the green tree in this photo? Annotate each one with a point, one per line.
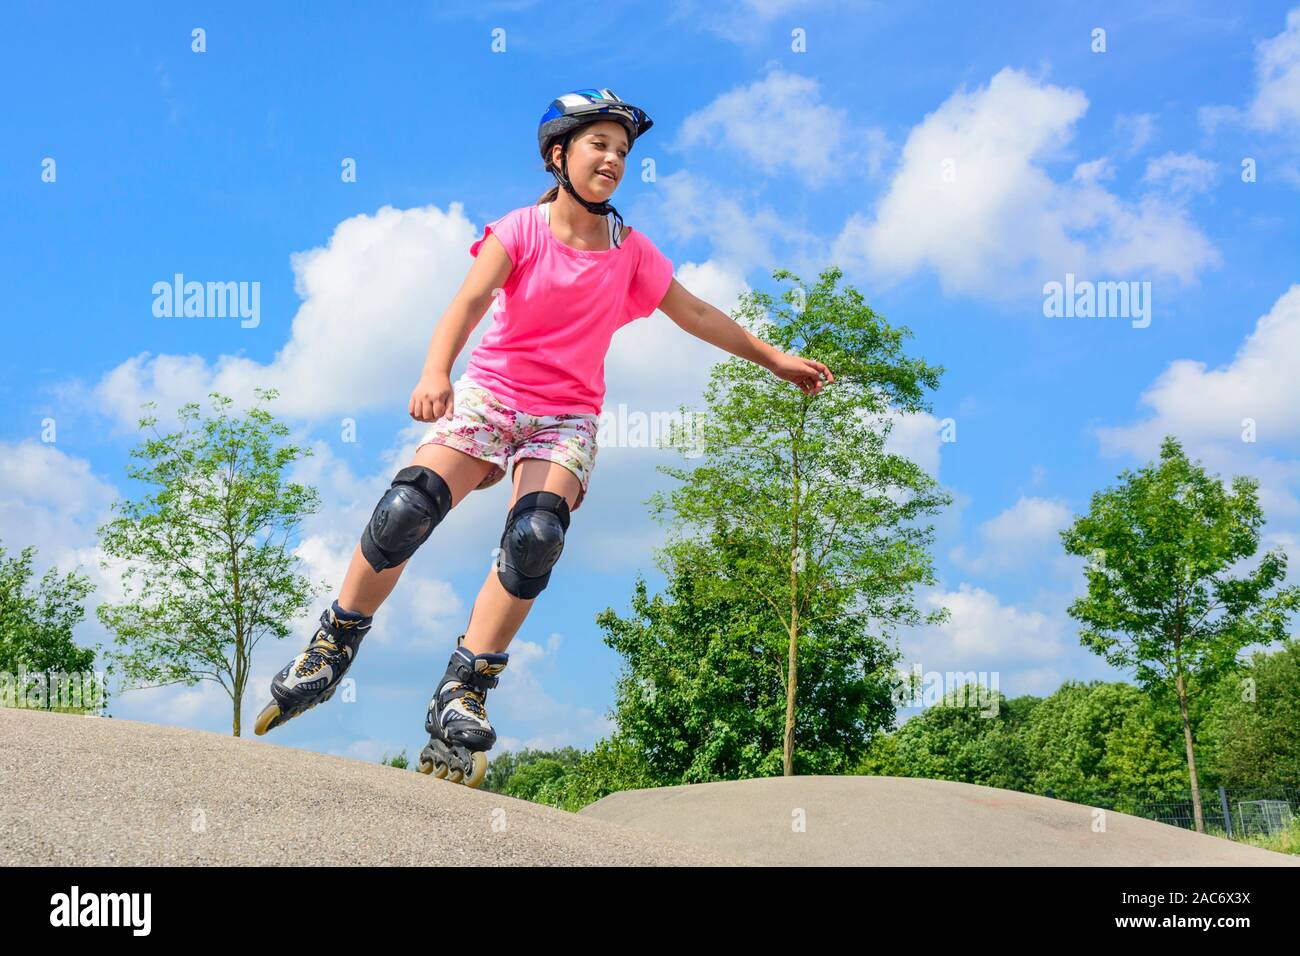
(504, 766)
(206, 577)
(614, 764)
(703, 692)
(1142, 758)
(530, 780)
(957, 740)
(1252, 729)
(809, 520)
(881, 758)
(1158, 548)
(37, 649)
(1088, 740)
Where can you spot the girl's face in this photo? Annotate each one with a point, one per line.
(596, 158)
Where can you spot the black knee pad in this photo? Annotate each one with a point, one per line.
(406, 515)
(532, 542)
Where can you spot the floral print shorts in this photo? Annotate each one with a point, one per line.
(483, 427)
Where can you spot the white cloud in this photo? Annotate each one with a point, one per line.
(981, 633)
(1138, 129)
(1097, 170)
(783, 123)
(168, 380)
(1207, 410)
(1026, 531)
(1262, 383)
(1181, 172)
(1277, 74)
(372, 297)
(1275, 107)
(916, 436)
(54, 501)
(691, 208)
(1039, 681)
(878, 149)
(1003, 226)
(1212, 117)
(206, 704)
(1289, 542)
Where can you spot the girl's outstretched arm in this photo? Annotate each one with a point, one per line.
(717, 328)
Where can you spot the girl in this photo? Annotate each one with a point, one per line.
(570, 274)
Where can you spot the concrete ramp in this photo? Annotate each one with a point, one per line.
(86, 791)
(901, 821)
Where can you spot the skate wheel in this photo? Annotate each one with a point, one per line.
(478, 771)
(266, 718)
(455, 776)
(435, 767)
(429, 767)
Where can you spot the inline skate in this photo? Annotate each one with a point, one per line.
(459, 732)
(312, 677)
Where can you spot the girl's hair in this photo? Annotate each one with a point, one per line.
(554, 192)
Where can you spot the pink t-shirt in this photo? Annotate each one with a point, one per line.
(558, 311)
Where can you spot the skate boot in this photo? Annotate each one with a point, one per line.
(459, 732)
(312, 677)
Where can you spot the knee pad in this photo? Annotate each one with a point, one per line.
(532, 542)
(406, 515)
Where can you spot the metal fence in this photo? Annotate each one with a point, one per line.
(1234, 812)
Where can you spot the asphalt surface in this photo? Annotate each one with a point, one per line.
(900, 821)
(86, 791)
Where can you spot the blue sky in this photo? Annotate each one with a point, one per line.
(951, 162)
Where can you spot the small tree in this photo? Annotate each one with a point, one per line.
(809, 515)
(1158, 547)
(206, 578)
(36, 645)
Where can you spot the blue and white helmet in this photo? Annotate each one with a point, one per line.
(574, 110)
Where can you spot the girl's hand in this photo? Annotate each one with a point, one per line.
(433, 397)
(805, 373)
